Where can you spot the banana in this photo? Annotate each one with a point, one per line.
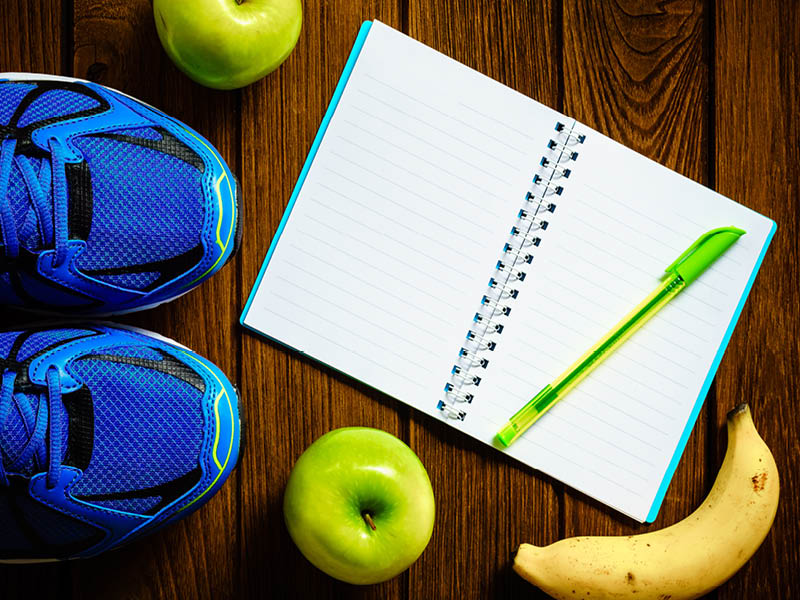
(683, 561)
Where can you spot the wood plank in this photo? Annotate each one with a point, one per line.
(31, 36)
(638, 72)
(487, 504)
(116, 44)
(31, 40)
(757, 161)
(292, 400)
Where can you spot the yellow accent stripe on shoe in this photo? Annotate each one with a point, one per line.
(221, 467)
(223, 246)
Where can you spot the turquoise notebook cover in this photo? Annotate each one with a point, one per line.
(348, 68)
(337, 94)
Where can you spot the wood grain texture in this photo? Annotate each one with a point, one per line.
(757, 162)
(488, 504)
(31, 36)
(291, 401)
(637, 72)
(710, 90)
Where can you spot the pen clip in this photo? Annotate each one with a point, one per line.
(703, 252)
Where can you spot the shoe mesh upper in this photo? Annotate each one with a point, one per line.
(10, 98)
(148, 427)
(40, 341)
(56, 103)
(148, 424)
(147, 205)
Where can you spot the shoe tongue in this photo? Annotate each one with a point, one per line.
(18, 428)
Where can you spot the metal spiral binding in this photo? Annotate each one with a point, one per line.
(504, 285)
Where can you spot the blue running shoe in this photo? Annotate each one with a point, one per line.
(106, 434)
(106, 204)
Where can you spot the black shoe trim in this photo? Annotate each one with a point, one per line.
(169, 268)
(27, 263)
(23, 135)
(81, 200)
(168, 364)
(168, 491)
(237, 242)
(80, 437)
(40, 548)
(168, 144)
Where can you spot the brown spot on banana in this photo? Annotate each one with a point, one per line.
(673, 563)
(759, 481)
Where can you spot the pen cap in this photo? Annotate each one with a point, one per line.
(707, 249)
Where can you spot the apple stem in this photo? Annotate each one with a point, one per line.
(368, 519)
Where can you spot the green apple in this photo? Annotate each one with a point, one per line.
(227, 44)
(359, 505)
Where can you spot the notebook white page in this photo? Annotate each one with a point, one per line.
(400, 221)
(386, 251)
(619, 222)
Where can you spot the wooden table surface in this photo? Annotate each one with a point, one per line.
(709, 89)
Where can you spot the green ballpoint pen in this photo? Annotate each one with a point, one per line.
(688, 267)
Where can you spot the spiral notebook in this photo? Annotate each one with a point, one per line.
(456, 245)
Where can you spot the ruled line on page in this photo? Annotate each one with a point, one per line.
(624, 352)
(458, 158)
(611, 292)
(650, 333)
(633, 248)
(577, 393)
(416, 326)
(585, 205)
(394, 223)
(672, 230)
(459, 234)
(418, 347)
(583, 259)
(461, 197)
(670, 246)
(451, 213)
(633, 209)
(289, 262)
(316, 333)
(632, 343)
(603, 457)
(348, 331)
(441, 131)
(434, 279)
(513, 374)
(516, 375)
(574, 423)
(360, 259)
(460, 177)
(385, 235)
(642, 251)
(637, 267)
(577, 407)
(527, 441)
(444, 114)
(512, 128)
